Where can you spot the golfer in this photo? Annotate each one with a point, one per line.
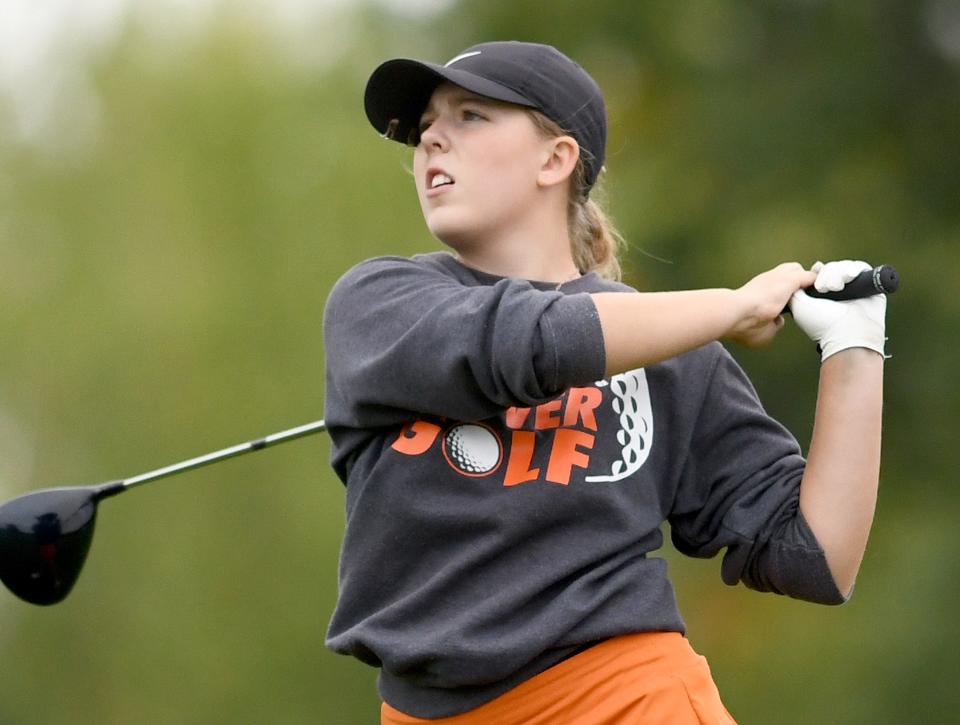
(513, 425)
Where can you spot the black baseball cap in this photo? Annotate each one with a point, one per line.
(527, 74)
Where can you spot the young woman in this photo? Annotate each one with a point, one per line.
(513, 426)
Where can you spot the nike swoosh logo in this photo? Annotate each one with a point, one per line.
(461, 57)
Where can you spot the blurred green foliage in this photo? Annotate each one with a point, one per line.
(163, 269)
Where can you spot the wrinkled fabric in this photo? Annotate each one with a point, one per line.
(503, 499)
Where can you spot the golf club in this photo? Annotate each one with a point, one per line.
(45, 535)
(882, 279)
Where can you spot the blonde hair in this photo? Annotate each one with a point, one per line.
(595, 242)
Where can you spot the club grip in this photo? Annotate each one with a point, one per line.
(879, 280)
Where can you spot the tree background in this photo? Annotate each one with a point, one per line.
(180, 186)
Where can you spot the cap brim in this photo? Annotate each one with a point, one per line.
(399, 90)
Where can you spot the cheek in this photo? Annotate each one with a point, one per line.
(509, 174)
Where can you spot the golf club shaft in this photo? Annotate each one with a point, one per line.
(237, 450)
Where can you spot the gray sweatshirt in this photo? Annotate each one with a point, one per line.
(503, 498)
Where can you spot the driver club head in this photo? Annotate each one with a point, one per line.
(45, 535)
(44, 540)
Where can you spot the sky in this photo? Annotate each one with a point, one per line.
(44, 45)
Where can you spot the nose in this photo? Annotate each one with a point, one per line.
(435, 137)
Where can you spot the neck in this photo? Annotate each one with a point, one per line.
(538, 251)
(532, 268)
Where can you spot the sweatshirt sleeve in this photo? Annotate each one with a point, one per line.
(740, 489)
(402, 337)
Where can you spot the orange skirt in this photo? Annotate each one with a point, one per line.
(650, 677)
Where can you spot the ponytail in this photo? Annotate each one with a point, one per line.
(595, 242)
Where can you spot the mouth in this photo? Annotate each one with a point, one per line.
(437, 180)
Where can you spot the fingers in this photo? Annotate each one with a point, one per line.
(766, 296)
(803, 305)
(797, 299)
(785, 284)
(833, 276)
(765, 334)
(804, 277)
(792, 274)
(761, 332)
(768, 293)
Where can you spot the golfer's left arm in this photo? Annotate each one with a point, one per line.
(838, 493)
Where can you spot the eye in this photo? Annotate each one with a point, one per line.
(415, 133)
(470, 115)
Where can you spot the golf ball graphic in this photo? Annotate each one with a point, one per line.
(472, 449)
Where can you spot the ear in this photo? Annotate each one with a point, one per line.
(560, 156)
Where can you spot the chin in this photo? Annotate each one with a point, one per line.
(454, 236)
(457, 244)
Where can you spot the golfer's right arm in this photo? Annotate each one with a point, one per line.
(640, 329)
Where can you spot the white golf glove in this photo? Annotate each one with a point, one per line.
(837, 326)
